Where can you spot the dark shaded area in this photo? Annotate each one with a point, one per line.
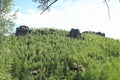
(75, 33)
(98, 33)
(50, 31)
(22, 30)
(76, 67)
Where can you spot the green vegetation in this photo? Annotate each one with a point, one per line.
(7, 17)
(58, 57)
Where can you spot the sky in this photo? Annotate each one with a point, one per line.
(85, 15)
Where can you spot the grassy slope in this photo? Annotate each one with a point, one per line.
(54, 55)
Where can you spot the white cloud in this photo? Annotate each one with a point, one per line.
(88, 16)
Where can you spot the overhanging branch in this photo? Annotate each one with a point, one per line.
(108, 8)
(49, 6)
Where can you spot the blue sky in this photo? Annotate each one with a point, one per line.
(83, 14)
(23, 5)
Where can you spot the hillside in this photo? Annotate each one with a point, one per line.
(56, 56)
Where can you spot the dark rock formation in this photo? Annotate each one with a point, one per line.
(22, 30)
(75, 33)
(50, 31)
(98, 33)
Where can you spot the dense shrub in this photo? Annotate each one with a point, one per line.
(58, 57)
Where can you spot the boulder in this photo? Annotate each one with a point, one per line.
(75, 33)
(22, 30)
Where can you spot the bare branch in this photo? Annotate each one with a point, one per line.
(49, 6)
(108, 8)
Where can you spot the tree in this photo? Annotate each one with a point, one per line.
(6, 16)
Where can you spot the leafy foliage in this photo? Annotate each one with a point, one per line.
(6, 17)
(55, 56)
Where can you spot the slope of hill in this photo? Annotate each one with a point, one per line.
(58, 57)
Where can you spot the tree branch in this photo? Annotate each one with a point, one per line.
(48, 6)
(108, 8)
